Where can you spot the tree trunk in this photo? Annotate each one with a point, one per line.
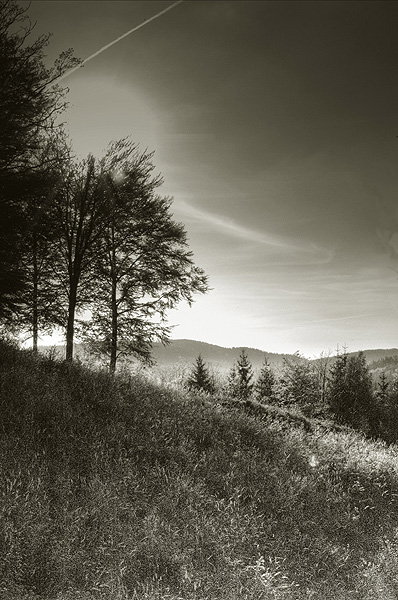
(35, 312)
(112, 363)
(35, 325)
(70, 328)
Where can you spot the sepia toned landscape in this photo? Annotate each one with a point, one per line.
(198, 285)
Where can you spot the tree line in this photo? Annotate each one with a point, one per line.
(341, 388)
(86, 245)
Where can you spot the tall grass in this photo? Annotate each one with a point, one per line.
(119, 488)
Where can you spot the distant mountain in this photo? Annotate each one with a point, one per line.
(186, 352)
(220, 358)
(377, 355)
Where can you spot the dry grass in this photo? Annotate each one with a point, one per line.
(121, 489)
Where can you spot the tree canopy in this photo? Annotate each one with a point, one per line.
(30, 101)
(80, 237)
(143, 266)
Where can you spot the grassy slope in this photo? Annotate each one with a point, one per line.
(119, 489)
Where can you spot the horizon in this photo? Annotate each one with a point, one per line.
(329, 352)
(274, 126)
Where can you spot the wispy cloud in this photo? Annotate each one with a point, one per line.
(291, 248)
(341, 318)
(228, 226)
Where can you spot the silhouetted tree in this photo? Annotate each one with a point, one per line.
(144, 267)
(264, 388)
(29, 104)
(39, 304)
(200, 378)
(79, 214)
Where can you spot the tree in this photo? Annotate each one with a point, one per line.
(40, 307)
(387, 406)
(200, 379)
(30, 101)
(321, 368)
(142, 266)
(298, 384)
(240, 380)
(383, 387)
(30, 98)
(264, 387)
(78, 212)
(350, 393)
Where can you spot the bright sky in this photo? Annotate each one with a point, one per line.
(274, 125)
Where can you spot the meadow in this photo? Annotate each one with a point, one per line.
(120, 488)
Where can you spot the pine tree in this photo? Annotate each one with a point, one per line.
(264, 387)
(350, 393)
(387, 404)
(383, 387)
(200, 379)
(240, 380)
(298, 384)
(232, 382)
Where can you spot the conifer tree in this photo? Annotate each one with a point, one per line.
(200, 379)
(298, 384)
(240, 380)
(264, 387)
(350, 393)
(383, 387)
(232, 382)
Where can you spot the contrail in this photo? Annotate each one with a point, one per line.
(162, 12)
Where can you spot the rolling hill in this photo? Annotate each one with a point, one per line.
(185, 352)
(115, 488)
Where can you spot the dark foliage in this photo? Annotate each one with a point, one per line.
(240, 380)
(264, 388)
(141, 266)
(298, 384)
(200, 379)
(350, 393)
(29, 104)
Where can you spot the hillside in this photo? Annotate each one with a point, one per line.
(186, 351)
(119, 489)
(180, 351)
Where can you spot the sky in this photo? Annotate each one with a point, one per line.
(274, 126)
